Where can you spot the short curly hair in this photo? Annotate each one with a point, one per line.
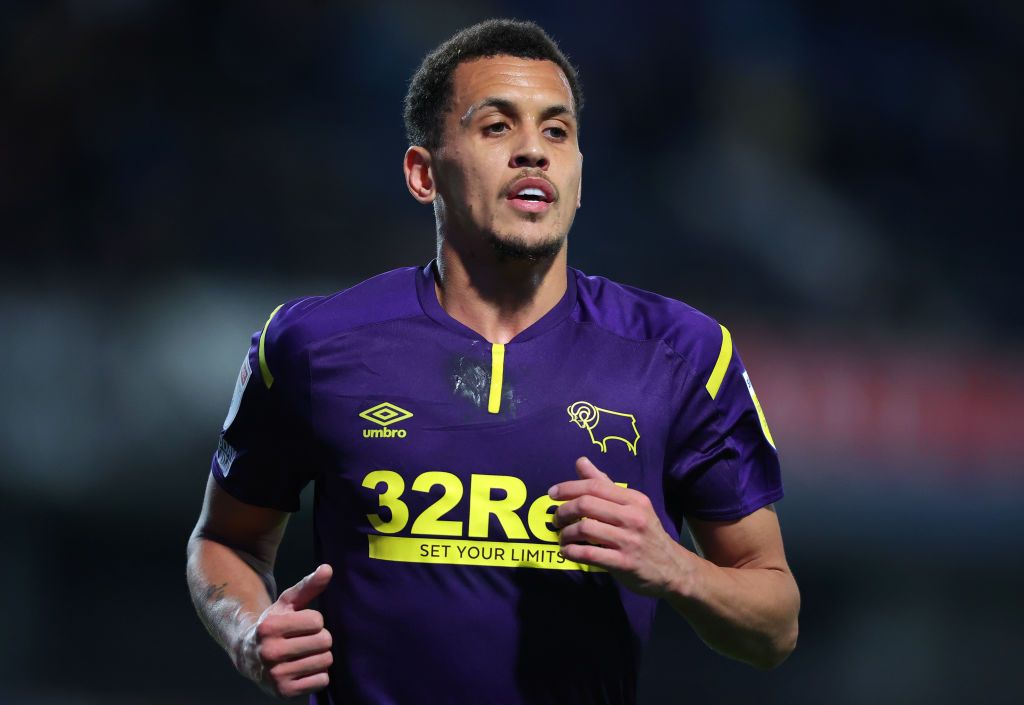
(430, 91)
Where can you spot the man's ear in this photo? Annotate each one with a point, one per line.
(579, 190)
(419, 175)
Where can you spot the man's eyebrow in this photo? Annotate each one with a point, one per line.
(555, 111)
(501, 104)
(507, 106)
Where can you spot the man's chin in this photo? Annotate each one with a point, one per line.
(517, 247)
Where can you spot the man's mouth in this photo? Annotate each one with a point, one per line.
(531, 195)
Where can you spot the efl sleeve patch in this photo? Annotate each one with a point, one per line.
(760, 412)
(236, 399)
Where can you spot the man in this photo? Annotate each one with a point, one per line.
(504, 449)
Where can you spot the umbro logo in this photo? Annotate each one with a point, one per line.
(384, 415)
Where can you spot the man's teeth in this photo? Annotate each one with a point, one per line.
(535, 192)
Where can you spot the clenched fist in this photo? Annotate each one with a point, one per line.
(288, 651)
(615, 528)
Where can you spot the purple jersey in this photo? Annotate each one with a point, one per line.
(432, 452)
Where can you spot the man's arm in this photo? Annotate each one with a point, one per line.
(278, 644)
(741, 598)
(739, 594)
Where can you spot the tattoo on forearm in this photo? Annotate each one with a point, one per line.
(215, 593)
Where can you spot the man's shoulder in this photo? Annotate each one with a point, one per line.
(295, 325)
(641, 315)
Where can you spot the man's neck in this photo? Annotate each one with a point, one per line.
(498, 297)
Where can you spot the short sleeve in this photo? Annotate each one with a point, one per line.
(262, 455)
(722, 462)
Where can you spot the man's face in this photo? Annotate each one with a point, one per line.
(510, 165)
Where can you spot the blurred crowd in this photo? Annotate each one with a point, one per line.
(831, 162)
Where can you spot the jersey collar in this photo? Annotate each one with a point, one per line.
(432, 307)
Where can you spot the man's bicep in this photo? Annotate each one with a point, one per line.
(753, 541)
(256, 531)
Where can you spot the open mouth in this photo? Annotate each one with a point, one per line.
(532, 195)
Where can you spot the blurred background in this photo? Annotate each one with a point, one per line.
(837, 182)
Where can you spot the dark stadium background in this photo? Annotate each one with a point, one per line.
(838, 182)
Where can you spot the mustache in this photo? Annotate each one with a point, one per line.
(528, 174)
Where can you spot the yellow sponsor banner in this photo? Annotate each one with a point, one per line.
(471, 552)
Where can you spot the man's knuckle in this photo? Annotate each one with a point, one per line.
(302, 620)
(283, 670)
(635, 520)
(269, 652)
(265, 628)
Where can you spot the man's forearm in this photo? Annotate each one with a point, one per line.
(749, 614)
(229, 592)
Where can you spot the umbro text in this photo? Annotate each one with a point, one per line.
(383, 433)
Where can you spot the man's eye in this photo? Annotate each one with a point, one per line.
(497, 128)
(557, 132)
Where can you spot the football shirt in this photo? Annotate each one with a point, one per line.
(432, 451)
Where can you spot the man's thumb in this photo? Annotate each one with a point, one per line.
(299, 595)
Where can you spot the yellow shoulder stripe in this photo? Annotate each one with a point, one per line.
(268, 379)
(724, 356)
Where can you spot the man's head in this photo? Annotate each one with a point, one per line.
(492, 116)
(430, 91)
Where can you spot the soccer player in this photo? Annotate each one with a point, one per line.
(504, 449)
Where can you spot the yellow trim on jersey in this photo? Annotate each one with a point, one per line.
(764, 422)
(268, 379)
(724, 356)
(497, 373)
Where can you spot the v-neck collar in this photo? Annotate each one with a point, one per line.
(432, 307)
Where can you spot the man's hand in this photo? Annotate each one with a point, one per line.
(617, 529)
(741, 600)
(288, 651)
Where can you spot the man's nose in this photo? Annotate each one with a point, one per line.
(530, 152)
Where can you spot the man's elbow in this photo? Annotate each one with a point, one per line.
(783, 642)
(779, 650)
